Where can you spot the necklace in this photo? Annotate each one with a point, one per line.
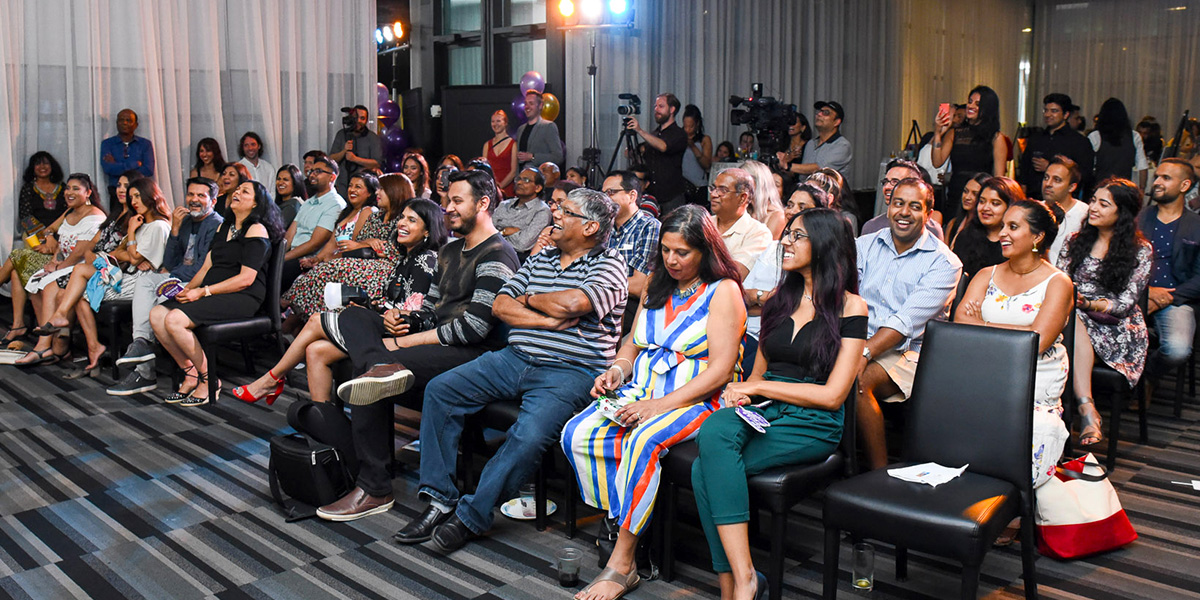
(233, 232)
(687, 292)
(1022, 274)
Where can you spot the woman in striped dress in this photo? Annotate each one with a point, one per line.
(666, 380)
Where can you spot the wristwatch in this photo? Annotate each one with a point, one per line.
(207, 292)
(867, 353)
(758, 298)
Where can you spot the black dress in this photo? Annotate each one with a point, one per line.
(228, 257)
(971, 154)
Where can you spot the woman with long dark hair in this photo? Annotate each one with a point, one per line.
(1028, 293)
(209, 160)
(231, 285)
(666, 380)
(290, 193)
(39, 204)
(233, 175)
(725, 152)
(966, 214)
(799, 133)
(1109, 260)
(699, 156)
(420, 235)
(814, 329)
(1118, 147)
(975, 146)
(414, 167)
(978, 246)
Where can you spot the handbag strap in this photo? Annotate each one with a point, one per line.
(1081, 475)
(292, 511)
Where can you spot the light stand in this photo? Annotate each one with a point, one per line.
(591, 155)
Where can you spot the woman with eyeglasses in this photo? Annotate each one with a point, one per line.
(814, 329)
(666, 380)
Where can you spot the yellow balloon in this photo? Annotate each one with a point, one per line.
(549, 106)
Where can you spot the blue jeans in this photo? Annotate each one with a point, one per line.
(549, 392)
(1176, 328)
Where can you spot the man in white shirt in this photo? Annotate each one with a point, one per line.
(1059, 184)
(746, 238)
(251, 149)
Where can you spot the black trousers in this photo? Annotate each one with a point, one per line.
(362, 334)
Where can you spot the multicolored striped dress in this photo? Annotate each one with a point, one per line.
(618, 467)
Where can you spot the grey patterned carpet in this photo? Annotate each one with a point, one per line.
(105, 497)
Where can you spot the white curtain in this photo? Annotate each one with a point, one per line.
(1145, 53)
(885, 62)
(190, 68)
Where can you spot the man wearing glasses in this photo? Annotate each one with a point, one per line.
(635, 235)
(908, 278)
(830, 149)
(316, 219)
(745, 237)
(564, 308)
(898, 169)
(521, 219)
(126, 151)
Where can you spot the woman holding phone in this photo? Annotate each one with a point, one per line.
(975, 146)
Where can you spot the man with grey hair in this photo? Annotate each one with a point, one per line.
(745, 237)
(564, 308)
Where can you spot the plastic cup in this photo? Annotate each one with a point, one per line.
(527, 500)
(863, 574)
(567, 561)
(33, 241)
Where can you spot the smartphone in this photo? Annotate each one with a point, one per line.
(943, 109)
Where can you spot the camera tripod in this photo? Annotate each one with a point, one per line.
(627, 140)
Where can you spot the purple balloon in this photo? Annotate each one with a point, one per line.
(532, 80)
(389, 110)
(518, 108)
(394, 143)
(383, 94)
(395, 165)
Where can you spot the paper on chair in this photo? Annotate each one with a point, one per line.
(929, 473)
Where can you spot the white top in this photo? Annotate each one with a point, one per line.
(68, 237)
(764, 276)
(264, 173)
(1071, 224)
(152, 241)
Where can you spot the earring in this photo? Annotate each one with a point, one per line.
(1035, 248)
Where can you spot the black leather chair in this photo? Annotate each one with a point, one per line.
(112, 315)
(267, 322)
(972, 405)
(777, 490)
(501, 416)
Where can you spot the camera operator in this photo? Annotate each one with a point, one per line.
(355, 147)
(830, 149)
(663, 153)
(537, 139)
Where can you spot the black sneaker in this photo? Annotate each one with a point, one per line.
(140, 351)
(194, 401)
(132, 384)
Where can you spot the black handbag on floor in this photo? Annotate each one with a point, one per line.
(316, 466)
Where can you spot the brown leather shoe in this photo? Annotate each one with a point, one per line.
(355, 505)
(379, 382)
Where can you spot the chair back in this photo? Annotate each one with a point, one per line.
(973, 400)
(274, 283)
(963, 281)
(849, 444)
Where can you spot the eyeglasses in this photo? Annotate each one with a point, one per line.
(719, 190)
(886, 182)
(613, 192)
(564, 211)
(317, 171)
(793, 234)
(525, 180)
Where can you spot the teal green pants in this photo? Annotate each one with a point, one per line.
(731, 451)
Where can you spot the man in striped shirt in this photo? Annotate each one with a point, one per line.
(564, 307)
(908, 278)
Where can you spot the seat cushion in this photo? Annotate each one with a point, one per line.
(776, 489)
(115, 310)
(958, 519)
(500, 415)
(234, 330)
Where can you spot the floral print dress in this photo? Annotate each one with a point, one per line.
(307, 294)
(1049, 432)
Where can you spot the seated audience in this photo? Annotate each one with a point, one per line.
(635, 233)
(1026, 292)
(767, 206)
(685, 347)
(251, 150)
(558, 196)
(522, 218)
(136, 253)
(978, 246)
(840, 196)
(724, 153)
(441, 182)
(323, 341)
(454, 326)
(898, 169)
(364, 250)
(39, 204)
(1060, 183)
(232, 175)
(290, 193)
(315, 221)
(550, 173)
(413, 167)
(209, 160)
(908, 278)
(231, 284)
(577, 176)
(193, 226)
(731, 196)
(760, 284)
(1175, 273)
(501, 153)
(1109, 261)
(966, 213)
(451, 160)
(564, 308)
(813, 333)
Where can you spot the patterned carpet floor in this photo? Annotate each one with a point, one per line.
(106, 497)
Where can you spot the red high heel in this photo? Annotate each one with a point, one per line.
(241, 393)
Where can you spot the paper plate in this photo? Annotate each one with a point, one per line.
(512, 509)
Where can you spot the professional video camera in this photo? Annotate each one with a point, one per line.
(632, 106)
(767, 117)
(349, 119)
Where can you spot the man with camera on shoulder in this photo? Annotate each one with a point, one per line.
(355, 147)
(664, 148)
